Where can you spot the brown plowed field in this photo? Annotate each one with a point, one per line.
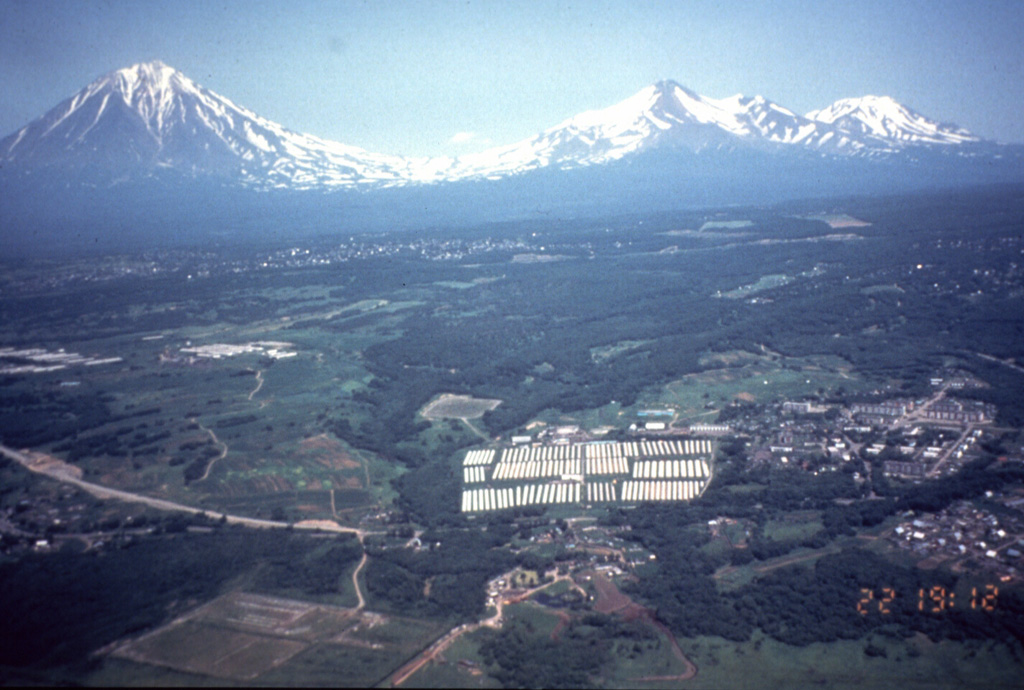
(328, 452)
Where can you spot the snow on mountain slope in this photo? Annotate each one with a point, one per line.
(882, 118)
(152, 115)
(663, 114)
(149, 118)
(658, 114)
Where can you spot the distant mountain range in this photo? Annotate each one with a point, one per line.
(154, 139)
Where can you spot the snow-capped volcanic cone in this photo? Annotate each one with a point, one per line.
(150, 117)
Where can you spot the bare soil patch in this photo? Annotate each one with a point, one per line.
(563, 622)
(47, 464)
(328, 452)
(449, 406)
(609, 598)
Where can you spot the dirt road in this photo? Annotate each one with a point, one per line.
(69, 474)
(355, 582)
(475, 430)
(259, 383)
(217, 441)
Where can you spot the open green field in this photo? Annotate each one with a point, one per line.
(461, 666)
(727, 377)
(794, 526)
(749, 377)
(607, 352)
(730, 578)
(763, 283)
(643, 663)
(913, 663)
(541, 621)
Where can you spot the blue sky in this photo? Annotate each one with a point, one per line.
(427, 78)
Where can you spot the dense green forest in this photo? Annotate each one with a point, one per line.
(457, 563)
(795, 604)
(575, 659)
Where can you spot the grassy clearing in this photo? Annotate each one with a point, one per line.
(762, 284)
(612, 414)
(382, 473)
(729, 578)
(914, 663)
(632, 660)
(736, 532)
(537, 619)
(461, 666)
(727, 224)
(744, 488)
(793, 526)
(557, 588)
(751, 378)
(606, 352)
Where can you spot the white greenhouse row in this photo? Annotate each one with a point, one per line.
(540, 453)
(660, 469)
(479, 457)
(605, 449)
(690, 447)
(477, 500)
(481, 500)
(607, 466)
(601, 492)
(660, 491)
(471, 475)
(601, 450)
(532, 470)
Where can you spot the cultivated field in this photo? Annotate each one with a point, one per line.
(241, 637)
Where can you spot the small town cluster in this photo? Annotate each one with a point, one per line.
(902, 439)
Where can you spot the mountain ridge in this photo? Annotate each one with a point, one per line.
(133, 121)
(145, 157)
